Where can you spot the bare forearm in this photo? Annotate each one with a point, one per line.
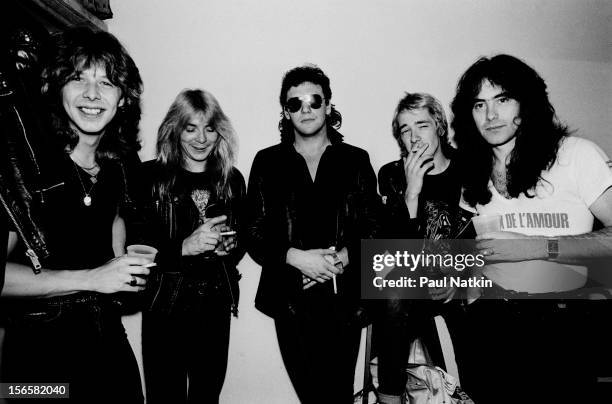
(578, 249)
(119, 236)
(412, 203)
(572, 249)
(596, 244)
(20, 281)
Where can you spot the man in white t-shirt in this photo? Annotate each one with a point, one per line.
(519, 162)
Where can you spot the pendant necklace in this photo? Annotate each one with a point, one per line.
(93, 179)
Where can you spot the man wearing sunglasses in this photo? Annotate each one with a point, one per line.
(312, 197)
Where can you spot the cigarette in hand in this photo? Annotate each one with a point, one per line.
(228, 233)
(149, 265)
(334, 275)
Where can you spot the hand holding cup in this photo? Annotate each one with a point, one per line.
(141, 251)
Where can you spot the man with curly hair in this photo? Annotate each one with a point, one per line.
(65, 326)
(548, 188)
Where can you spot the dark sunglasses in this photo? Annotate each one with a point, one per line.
(295, 104)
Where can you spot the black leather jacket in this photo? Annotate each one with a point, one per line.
(166, 223)
(25, 173)
(396, 220)
(29, 170)
(272, 220)
(22, 183)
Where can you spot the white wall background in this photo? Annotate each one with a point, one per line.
(372, 51)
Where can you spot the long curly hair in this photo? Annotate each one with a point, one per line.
(77, 49)
(308, 73)
(537, 138)
(411, 101)
(190, 103)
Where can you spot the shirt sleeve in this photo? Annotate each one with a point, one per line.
(593, 172)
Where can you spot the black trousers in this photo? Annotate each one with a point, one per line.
(398, 323)
(189, 343)
(319, 345)
(76, 339)
(530, 351)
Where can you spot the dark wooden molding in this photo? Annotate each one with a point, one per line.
(99, 8)
(59, 14)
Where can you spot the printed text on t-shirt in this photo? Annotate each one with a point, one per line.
(535, 220)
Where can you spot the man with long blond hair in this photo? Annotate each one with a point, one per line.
(194, 197)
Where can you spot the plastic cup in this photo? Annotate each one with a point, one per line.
(486, 223)
(141, 250)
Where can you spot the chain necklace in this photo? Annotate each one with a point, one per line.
(93, 179)
(80, 164)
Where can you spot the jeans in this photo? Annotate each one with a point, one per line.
(76, 339)
(187, 340)
(319, 345)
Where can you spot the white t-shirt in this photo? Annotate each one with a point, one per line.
(560, 208)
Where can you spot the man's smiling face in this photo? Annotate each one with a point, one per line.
(91, 100)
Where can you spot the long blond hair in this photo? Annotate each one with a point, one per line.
(188, 103)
